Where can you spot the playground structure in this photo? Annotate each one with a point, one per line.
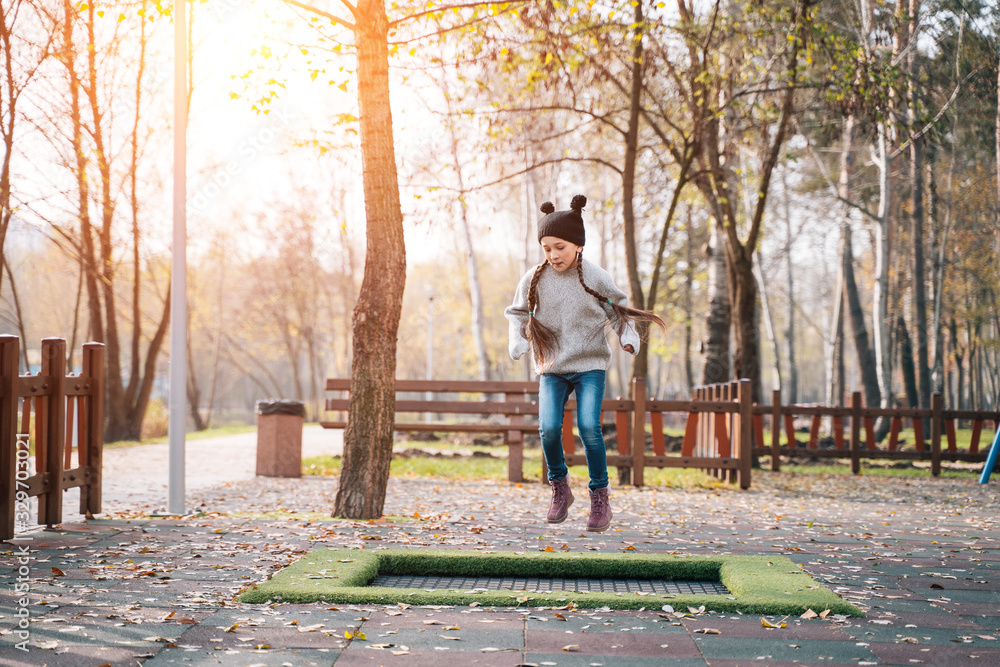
(49, 413)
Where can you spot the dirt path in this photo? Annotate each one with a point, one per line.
(136, 478)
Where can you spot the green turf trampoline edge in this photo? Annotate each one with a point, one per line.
(758, 584)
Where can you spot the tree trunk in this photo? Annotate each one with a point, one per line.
(998, 145)
(368, 438)
(958, 354)
(835, 338)
(716, 346)
(792, 394)
(688, 306)
(746, 328)
(880, 292)
(866, 360)
(641, 360)
(769, 324)
(906, 363)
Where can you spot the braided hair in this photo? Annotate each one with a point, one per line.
(543, 340)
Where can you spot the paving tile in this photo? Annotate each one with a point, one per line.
(789, 663)
(565, 659)
(991, 623)
(768, 651)
(613, 645)
(751, 626)
(885, 634)
(375, 658)
(169, 657)
(73, 656)
(424, 619)
(600, 623)
(282, 616)
(955, 655)
(202, 636)
(435, 637)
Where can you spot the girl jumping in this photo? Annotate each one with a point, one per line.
(559, 313)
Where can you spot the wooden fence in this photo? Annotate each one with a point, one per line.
(50, 412)
(848, 423)
(718, 436)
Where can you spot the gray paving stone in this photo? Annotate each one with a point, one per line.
(377, 658)
(565, 659)
(614, 645)
(955, 655)
(767, 651)
(172, 657)
(73, 656)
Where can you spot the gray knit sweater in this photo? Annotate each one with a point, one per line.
(576, 318)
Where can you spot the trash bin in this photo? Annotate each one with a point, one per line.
(279, 437)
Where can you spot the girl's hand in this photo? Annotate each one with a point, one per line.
(629, 349)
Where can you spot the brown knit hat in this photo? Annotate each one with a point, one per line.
(566, 225)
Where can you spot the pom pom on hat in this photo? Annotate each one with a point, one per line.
(566, 225)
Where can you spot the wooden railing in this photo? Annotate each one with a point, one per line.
(718, 436)
(853, 432)
(50, 412)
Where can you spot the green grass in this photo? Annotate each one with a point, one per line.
(468, 468)
(758, 584)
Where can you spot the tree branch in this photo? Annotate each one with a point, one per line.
(325, 14)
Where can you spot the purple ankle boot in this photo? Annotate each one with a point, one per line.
(600, 511)
(562, 498)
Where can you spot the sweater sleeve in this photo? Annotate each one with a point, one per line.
(630, 336)
(517, 314)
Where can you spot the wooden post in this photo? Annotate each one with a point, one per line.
(94, 373)
(568, 443)
(937, 403)
(9, 350)
(776, 430)
(734, 422)
(856, 409)
(745, 398)
(638, 430)
(54, 369)
(515, 441)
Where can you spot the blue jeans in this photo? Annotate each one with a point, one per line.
(553, 392)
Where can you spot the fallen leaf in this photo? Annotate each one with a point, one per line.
(708, 631)
(571, 647)
(449, 637)
(57, 572)
(768, 624)
(809, 613)
(433, 623)
(559, 616)
(310, 628)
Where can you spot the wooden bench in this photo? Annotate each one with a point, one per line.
(514, 403)
(519, 401)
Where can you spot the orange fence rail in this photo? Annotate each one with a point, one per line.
(49, 412)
